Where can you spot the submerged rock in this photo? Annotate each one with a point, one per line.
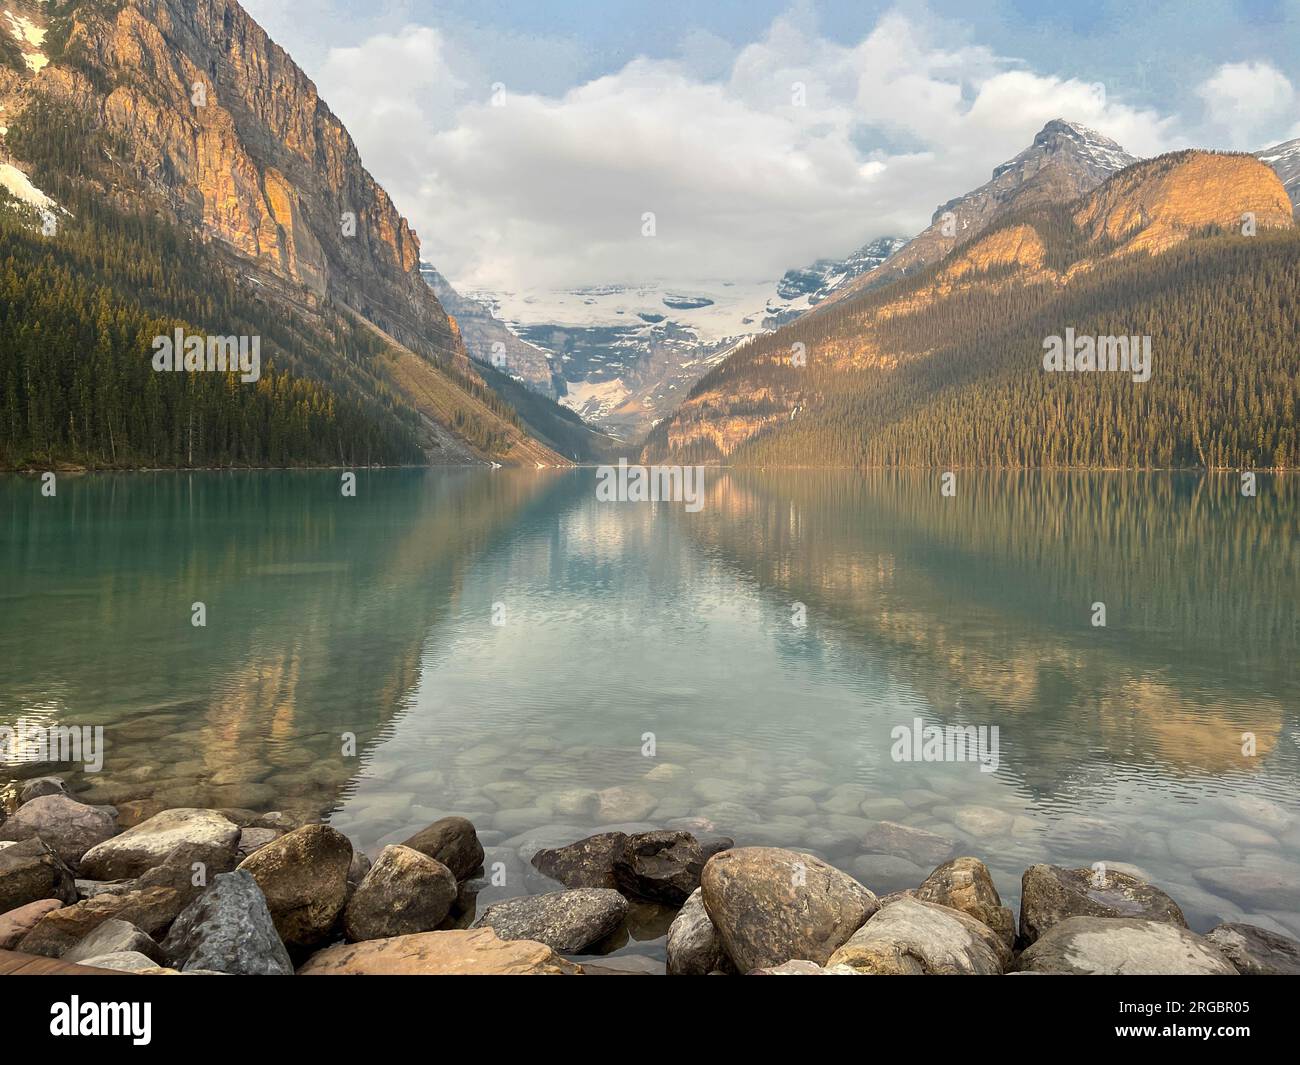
(1123, 946)
(566, 921)
(923, 848)
(771, 905)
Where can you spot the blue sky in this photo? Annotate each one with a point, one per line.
(525, 140)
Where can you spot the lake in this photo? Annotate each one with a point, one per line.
(503, 646)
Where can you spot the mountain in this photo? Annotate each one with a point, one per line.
(798, 290)
(1064, 161)
(1284, 158)
(184, 117)
(945, 368)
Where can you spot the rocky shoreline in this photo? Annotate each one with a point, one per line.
(235, 892)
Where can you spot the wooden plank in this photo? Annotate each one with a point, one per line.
(14, 964)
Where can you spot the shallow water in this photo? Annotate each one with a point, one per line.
(630, 624)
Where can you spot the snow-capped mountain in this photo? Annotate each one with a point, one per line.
(798, 290)
(1065, 161)
(1284, 158)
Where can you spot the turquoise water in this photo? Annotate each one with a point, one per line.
(648, 669)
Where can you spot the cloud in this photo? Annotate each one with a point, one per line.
(791, 148)
(1249, 103)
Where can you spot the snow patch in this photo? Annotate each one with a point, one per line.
(17, 184)
(23, 29)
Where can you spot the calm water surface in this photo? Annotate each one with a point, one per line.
(374, 616)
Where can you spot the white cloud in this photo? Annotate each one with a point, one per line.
(1249, 103)
(745, 183)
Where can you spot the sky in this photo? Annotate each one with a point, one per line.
(528, 141)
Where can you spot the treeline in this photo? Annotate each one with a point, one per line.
(1223, 312)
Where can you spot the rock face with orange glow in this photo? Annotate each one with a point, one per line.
(220, 129)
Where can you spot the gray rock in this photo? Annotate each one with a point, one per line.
(1254, 887)
(228, 929)
(1123, 946)
(805, 968)
(404, 892)
(694, 946)
(965, 884)
(566, 921)
(252, 840)
(304, 876)
(31, 871)
(660, 866)
(587, 863)
(770, 906)
(113, 937)
(149, 843)
(914, 938)
(68, 827)
(451, 841)
(1198, 849)
(926, 849)
(884, 873)
(123, 961)
(1257, 951)
(34, 789)
(1050, 894)
(1080, 835)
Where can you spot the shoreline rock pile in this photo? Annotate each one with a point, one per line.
(235, 892)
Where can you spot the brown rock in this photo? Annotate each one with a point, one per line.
(586, 863)
(452, 841)
(68, 827)
(1050, 894)
(965, 884)
(150, 910)
(404, 892)
(914, 938)
(476, 952)
(31, 871)
(303, 875)
(17, 923)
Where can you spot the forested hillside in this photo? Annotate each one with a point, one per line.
(945, 368)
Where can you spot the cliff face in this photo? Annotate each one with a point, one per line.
(221, 125)
(1028, 259)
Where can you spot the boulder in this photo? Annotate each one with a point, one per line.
(115, 936)
(1123, 946)
(304, 876)
(403, 893)
(38, 786)
(452, 841)
(68, 827)
(1257, 951)
(566, 921)
(694, 946)
(805, 968)
(1254, 888)
(965, 884)
(1050, 894)
(146, 845)
(587, 863)
(918, 846)
(123, 961)
(18, 922)
(771, 905)
(228, 929)
(29, 872)
(251, 840)
(660, 866)
(914, 938)
(150, 909)
(474, 952)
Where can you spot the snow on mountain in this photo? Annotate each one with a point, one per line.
(1284, 158)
